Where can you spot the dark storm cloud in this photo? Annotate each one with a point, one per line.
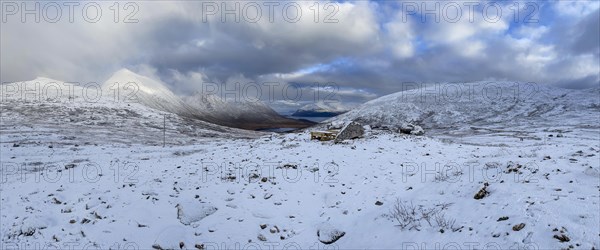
(586, 34)
(225, 49)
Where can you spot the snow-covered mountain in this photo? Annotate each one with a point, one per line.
(85, 114)
(127, 107)
(464, 109)
(244, 113)
(155, 94)
(132, 87)
(321, 109)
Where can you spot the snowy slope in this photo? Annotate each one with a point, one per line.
(79, 174)
(212, 193)
(88, 114)
(245, 113)
(155, 94)
(501, 106)
(215, 105)
(132, 87)
(321, 109)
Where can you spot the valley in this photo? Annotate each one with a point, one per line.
(126, 175)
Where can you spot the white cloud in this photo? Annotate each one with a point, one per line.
(400, 37)
(575, 8)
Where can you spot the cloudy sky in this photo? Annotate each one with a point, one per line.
(365, 49)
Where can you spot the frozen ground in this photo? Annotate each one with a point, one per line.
(69, 180)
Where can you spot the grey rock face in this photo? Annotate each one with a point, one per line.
(352, 130)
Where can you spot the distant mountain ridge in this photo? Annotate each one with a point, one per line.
(321, 109)
(464, 110)
(146, 91)
(244, 114)
(127, 87)
(251, 114)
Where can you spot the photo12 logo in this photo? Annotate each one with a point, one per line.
(55, 92)
(69, 245)
(269, 91)
(453, 12)
(90, 172)
(253, 172)
(467, 245)
(253, 12)
(53, 12)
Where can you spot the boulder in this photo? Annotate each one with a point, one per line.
(408, 128)
(352, 130)
(418, 130)
(188, 213)
(328, 234)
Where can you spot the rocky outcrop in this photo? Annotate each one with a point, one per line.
(408, 128)
(352, 130)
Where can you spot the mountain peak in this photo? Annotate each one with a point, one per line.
(145, 84)
(124, 71)
(43, 79)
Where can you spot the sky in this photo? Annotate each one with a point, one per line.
(346, 51)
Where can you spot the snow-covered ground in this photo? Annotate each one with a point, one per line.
(70, 180)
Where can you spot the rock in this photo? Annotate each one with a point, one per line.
(418, 130)
(328, 234)
(479, 195)
(261, 237)
(518, 227)
(378, 203)
(263, 226)
(482, 192)
(70, 165)
(408, 128)
(292, 166)
(503, 218)
(31, 225)
(171, 238)
(193, 212)
(562, 238)
(352, 130)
